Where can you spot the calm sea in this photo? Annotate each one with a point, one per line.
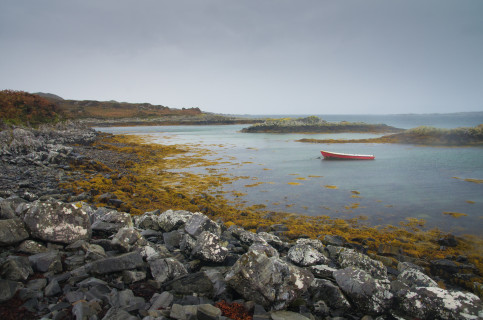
(404, 181)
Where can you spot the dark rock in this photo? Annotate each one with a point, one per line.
(388, 250)
(287, 315)
(198, 283)
(129, 276)
(198, 223)
(208, 312)
(444, 267)
(8, 206)
(16, 268)
(8, 289)
(46, 261)
(125, 300)
(172, 239)
(12, 231)
(110, 221)
(334, 240)
(208, 248)
(31, 247)
(57, 222)
(325, 290)
(118, 314)
(52, 289)
(86, 309)
(448, 241)
(368, 294)
(161, 301)
(167, 269)
(127, 261)
(437, 303)
(323, 271)
(268, 281)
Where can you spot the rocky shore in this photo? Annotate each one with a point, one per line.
(61, 258)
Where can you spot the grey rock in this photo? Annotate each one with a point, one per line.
(95, 252)
(323, 271)
(90, 282)
(287, 315)
(31, 247)
(166, 269)
(129, 277)
(52, 289)
(314, 243)
(37, 284)
(118, 314)
(368, 295)
(335, 240)
(8, 289)
(187, 243)
(352, 258)
(198, 283)
(415, 278)
(436, 303)
(147, 221)
(16, 268)
(187, 312)
(172, 239)
(46, 261)
(12, 231)
(8, 206)
(170, 220)
(208, 312)
(128, 238)
(86, 309)
(56, 221)
(265, 248)
(271, 239)
(127, 261)
(108, 220)
(268, 281)
(198, 223)
(125, 300)
(330, 293)
(305, 255)
(161, 301)
(208, 248)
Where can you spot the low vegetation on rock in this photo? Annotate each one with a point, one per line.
(314, 124)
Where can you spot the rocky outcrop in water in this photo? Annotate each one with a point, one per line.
(138, 272)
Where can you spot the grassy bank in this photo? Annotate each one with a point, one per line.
(144, 181)
(423, 135)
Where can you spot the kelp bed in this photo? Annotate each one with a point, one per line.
(156, 176)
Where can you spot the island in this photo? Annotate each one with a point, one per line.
(423, 135)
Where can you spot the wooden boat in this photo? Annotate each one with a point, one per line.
(346, 156)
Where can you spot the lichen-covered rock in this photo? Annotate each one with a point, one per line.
(264, 248)
(305, 255)
(247, 238)
(56, 221)
(323, 271)
(108, 220)
(208, 248)
(314, 243)
(268, 281)
(127, 238)
(198, 223)
(147, 221)
(368, 294)
(170, 220)
(12, 231)
(166, 269)
(415, 278)
(436, 303)
(352, 258)
(271, 239)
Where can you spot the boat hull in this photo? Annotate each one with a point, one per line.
(346, 156)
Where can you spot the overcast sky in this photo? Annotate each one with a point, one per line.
(250, 56)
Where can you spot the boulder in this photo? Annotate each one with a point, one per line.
(8, 206)
(16, 268)
(323, 271)
(128, 238)
(415, 278)
(125, 300)
(331, 294)
(436, 303)
(208, 248)
(170, 220)
(352, 258)
(368, 294)
(147, 221)
(334, 240)
(305, 255)
(198, 223)
(265, 248)
(108, 220)
(167, 269)
(127, 261)
(55, 221)
(12, 231)
(31, 247)
(8, 289)
(314, 243)
(198, 283)
(46, 261)
(272, 240)
(268, 281)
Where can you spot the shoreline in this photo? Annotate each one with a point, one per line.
(128, 174)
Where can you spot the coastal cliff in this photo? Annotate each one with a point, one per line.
(62, 257)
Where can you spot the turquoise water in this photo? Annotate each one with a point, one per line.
(404, 180)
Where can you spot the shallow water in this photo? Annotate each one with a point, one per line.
(404, 180)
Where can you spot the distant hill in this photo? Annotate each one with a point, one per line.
(23, 108)
(48, 95)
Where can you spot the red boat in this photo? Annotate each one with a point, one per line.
(346, 156)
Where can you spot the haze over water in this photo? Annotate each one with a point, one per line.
(404, 181)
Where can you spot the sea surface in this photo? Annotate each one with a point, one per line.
(405, 181)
